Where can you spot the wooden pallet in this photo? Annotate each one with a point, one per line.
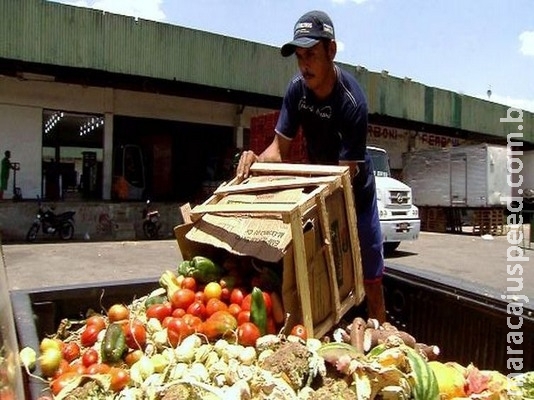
(441, 219)
(322, 272)
(489, 221)
(433, 219)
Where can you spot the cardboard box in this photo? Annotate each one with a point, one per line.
(299, 216)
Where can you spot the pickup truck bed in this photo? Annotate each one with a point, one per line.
(468, 323)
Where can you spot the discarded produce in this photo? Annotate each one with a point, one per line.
(191, 339)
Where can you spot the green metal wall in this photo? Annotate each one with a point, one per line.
(50, 33)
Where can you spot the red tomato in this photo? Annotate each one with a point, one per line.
(89, 335)
(71, 351)
(193, 321)
(120, 378)
(98, 320)
(199, 295)
(237, 295)
(243, 316)
(132, 357)
(118, 312)
(89, 357)
(214, 305)
(135, 333)
(247, 301)
(77, 366)
(189, 283)
(300, 331)
(234, 309)
(271, 326)
(177, 330)
(158, 311)
(165, 322)
(178, 313)
(247, 334)
(182, 298)
(98, 368)
(61, 381)
(225, 294)
(268, 303)
(64, 366)
(198, 309)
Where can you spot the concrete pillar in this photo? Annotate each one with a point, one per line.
(107, 162)
(239, 137)
(238, 126)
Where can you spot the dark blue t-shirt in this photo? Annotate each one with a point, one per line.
(335, 128)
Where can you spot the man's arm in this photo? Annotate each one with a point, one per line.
(275, 152)
(353, 167)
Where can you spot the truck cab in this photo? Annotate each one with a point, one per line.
(399, 218)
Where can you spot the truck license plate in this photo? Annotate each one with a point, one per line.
(403, 226)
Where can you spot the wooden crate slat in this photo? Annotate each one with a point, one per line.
(303, 283)
(350, 210)
(257, 187)
(297, 169)
(323, 220)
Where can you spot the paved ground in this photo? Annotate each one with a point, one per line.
(470, 259)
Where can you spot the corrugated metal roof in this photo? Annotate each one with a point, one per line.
(51, 33)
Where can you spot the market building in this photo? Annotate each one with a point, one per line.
(105, 109)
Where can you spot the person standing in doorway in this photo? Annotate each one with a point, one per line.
(4, 172)
(329, 106)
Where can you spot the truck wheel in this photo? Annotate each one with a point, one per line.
(390, 247)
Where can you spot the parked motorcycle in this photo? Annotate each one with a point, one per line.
(151, 222)
(51, 223)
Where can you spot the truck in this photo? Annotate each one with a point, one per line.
(399, 217)
(462, 176)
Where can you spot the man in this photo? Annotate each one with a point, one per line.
(330, 107)
(4, 173)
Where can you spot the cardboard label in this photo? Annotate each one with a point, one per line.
(263, 238)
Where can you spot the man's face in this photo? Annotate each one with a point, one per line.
(315, 64)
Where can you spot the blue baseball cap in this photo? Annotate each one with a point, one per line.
(309, 30)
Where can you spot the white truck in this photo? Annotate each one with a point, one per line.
(399, 218)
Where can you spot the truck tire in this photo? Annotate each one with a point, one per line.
(390, 247)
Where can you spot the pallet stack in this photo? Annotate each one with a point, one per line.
(262, 134)
(489, 221)
(433, 219)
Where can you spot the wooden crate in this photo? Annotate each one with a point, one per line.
(322, 272)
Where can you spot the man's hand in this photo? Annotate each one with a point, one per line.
(245, 162)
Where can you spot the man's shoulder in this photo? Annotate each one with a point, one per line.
(350, 87)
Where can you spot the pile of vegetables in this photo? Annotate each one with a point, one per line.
(216, 332)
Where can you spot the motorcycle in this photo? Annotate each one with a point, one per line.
(151, 223)
(51, 223)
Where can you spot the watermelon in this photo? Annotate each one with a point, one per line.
(426, 385)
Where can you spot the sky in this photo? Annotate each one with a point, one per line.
(472, 47)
